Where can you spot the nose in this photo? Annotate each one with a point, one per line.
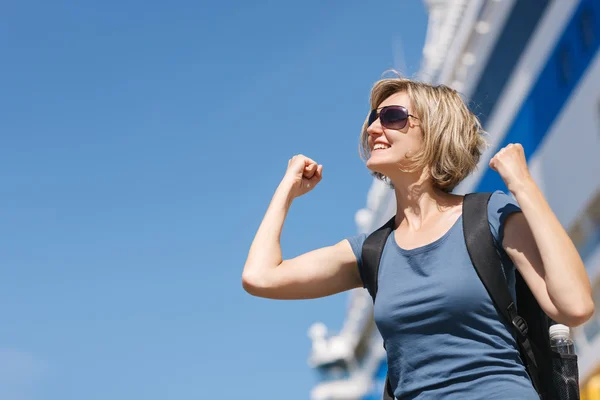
(375, 129)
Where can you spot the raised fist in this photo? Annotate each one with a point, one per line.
(303, 174)
(510, 163)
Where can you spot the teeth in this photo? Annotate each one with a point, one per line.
(380, 146)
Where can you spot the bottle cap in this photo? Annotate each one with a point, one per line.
(559, 330)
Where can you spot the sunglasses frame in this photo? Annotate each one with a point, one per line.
(379, 111)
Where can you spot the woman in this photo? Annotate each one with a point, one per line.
(444, 337)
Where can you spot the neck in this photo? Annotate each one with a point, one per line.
(417, 200)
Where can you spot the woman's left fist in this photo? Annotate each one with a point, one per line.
(510, 163)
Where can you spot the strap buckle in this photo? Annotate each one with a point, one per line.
(521, 325)
(518, 322)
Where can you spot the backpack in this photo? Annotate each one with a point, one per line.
(554, 376)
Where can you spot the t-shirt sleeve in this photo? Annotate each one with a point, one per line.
(356, 242)
(500, 206)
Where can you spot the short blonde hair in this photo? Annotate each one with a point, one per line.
(452, 134)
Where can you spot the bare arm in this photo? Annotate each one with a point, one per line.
(318, 273)
(542, 251)
(547, 259)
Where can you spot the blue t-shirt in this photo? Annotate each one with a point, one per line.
(444, 337)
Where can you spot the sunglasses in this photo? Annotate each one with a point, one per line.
(391, 117)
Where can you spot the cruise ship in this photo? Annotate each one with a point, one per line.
(530, 70)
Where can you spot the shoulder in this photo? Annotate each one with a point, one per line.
(356, 242)
(500, 206)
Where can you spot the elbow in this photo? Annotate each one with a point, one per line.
(585, 313)
(580, 315)
(248, 283)
(252, 283)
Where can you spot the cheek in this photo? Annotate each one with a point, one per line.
(417, 143)
(407, 147)
(415, 140)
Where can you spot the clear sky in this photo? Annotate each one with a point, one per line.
(141, 142)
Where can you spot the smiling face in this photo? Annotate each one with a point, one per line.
(444, 139)
(389, 148)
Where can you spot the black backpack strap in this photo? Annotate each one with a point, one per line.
(388, 394)
(486, 260)
(372, 250)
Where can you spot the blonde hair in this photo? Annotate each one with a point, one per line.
(452, 134)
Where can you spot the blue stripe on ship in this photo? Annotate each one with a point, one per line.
(568, 62)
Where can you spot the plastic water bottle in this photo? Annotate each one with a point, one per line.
(560, 340)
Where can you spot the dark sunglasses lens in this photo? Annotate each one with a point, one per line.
(372, 117)
(393, 117)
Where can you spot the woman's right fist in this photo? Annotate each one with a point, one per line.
(302, 174)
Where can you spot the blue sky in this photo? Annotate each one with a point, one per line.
(141, 144)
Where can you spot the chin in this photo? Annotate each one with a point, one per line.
(387, 166)
(379, 166)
